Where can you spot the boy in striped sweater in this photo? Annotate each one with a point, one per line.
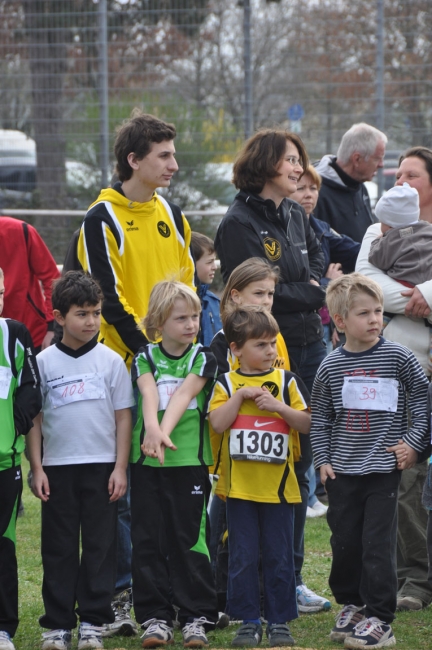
(361, 440)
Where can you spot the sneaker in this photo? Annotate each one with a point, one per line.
(248, 635)
(319, 508)
(56, 640)
(6, 641)
(89, 636)
(409, 603)
(123, 624)
(371, 633)
(346, 620)
(309, 602)
(157, 633)
(279, 635)
(223, 621)
(311, 513)
(194, 635)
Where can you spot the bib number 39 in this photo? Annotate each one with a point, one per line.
(266, 442)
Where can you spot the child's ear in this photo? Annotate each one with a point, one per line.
(58, 317)
(235, 296)
(339, 322)
(235, 350)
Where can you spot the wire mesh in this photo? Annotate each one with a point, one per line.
(72, 70)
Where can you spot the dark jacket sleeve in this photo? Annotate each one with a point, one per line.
(315, 254)
(237, 241)
(344, 250)
(219, 347)
(28, 397)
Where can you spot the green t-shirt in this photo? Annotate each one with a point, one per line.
(20, 396)
(190, 436)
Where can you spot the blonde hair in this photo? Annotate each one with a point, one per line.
(161, 303)
(249, 322)
(313, 174)
(342, 292)
(252, 270)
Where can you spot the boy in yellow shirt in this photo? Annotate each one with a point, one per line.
(254, 408)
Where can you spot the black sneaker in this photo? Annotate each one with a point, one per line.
(248, 635)
(279, 635)
(371, 633)
(346, 620)
(223, 621)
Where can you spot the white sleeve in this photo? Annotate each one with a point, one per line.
(394, 302)
(121, 385)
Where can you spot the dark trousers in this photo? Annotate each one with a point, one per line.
(170, 557)
(412, 559)
(306, 360)
(362, 516)
(78, 503)
(267, 526)
(10, 495)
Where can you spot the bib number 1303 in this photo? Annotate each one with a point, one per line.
(259, 439)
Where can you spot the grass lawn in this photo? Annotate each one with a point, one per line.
(413, 631)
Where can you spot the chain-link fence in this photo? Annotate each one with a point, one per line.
(71, 70)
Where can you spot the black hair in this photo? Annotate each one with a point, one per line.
(75, 288)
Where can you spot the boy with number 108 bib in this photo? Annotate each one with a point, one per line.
(86, 430)
(254, 408)
(361, 441)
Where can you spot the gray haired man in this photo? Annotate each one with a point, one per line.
(343, 200)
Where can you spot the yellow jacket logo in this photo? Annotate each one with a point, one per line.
(272, 249)
(163, 229)
(272, 387)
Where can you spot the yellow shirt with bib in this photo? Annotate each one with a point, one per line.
(255, 460)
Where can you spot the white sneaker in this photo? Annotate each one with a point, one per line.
(309, 602)
(123, 624)
(56, 640)
(311, 513)
(157, 633)
(89, 637)
(6, 641)
(194, 635)
(319, 508)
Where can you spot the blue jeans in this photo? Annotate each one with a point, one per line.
(312, 486)
(124, 545)
(307, 359)
(267, 526)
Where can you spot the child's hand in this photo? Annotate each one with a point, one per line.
(40, 485)
(326, 471)
(117, 484)
(266, 402)
(154, 444)
(250, 393)
(406, 456)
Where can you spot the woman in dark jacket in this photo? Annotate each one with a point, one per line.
(340, 251)
(263, 222)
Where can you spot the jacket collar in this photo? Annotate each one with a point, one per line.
(266, 208)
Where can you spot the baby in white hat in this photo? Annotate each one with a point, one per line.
(404, 251)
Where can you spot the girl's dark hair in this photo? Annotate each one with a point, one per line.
(257, 161)
(75, 288)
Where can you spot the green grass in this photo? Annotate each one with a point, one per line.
(413, 630)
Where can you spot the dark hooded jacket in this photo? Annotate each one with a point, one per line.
(343, 203)
(253, 227)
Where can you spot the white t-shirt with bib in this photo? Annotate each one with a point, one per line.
(81, 390)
